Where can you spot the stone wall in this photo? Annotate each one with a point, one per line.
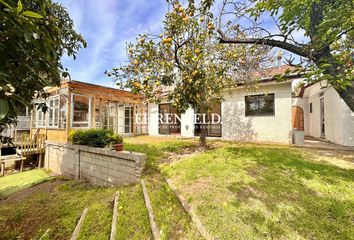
(99, 166)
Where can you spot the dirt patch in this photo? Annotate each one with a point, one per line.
(187, 152)
(256, 172)
(342, 159)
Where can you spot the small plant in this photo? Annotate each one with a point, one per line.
(116, 139)
(94, 137)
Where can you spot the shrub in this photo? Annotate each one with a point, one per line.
(94, 137)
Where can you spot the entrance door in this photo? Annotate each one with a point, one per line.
(214, 130)
(298, 118)
(171, 125)
(322, 117)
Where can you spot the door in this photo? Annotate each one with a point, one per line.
(172, 125)
(322, 118)
(214, 130)
(298, 118)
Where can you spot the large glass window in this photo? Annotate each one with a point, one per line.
(213, 120)
(260, 105)
(53, 112)
(81, 111)
(170, 120)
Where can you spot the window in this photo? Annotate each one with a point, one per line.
(62, 111)
(260, 105)
(128, 119)
(40, 118)
(53, 112)
(310, 107)
(81, 111)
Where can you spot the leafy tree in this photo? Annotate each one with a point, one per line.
(328, 25)
(185, 64)
(34, 35)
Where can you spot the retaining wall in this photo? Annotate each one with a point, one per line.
(99, 166)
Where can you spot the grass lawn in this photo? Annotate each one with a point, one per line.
(239, 191)
(247, 191)
(57, 204)
(16, 182)
(173, 222)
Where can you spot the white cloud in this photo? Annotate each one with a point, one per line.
(107, 25)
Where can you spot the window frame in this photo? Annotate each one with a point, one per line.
(130, 119)
(247, 113)
(52, 99)
(43, 120)
(89, 122)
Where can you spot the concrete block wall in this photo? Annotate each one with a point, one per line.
(99, 166)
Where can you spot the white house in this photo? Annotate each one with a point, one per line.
(264, 115)
(325, 114)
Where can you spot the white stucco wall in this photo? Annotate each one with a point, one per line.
(348, 125)
(277, 128)
(236, 126)
(153, 114)
(339, 119)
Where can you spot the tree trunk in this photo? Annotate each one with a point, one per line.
(202, 137)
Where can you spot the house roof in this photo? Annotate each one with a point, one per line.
(269, 73)
(108, 93)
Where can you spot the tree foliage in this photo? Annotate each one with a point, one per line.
(328, 26)
(185, 64)
(34, 35)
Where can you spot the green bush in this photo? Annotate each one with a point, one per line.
(94, 137)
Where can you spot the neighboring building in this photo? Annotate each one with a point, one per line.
(79, 105)
(21, 128)
(264, 115)
(325, 115)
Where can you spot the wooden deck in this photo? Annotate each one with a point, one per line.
(29, 145)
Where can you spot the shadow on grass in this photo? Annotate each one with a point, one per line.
(314, 199)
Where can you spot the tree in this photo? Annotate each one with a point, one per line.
(185, 64)
(34, 35)
(328, 24)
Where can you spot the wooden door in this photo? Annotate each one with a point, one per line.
(298, 118)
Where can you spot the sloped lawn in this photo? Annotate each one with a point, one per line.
(173, 222)
(57, 205)
(16, 182)
(267, 192)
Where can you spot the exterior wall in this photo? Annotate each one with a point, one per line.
(187, 124)
(55, 135)
(153, 113)
(99, 166)
(277, 128)
(339, 119)
(348, 123)
(236, 126)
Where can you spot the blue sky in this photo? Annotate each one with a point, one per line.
(107, 25)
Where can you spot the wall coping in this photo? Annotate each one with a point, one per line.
(127, 155)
